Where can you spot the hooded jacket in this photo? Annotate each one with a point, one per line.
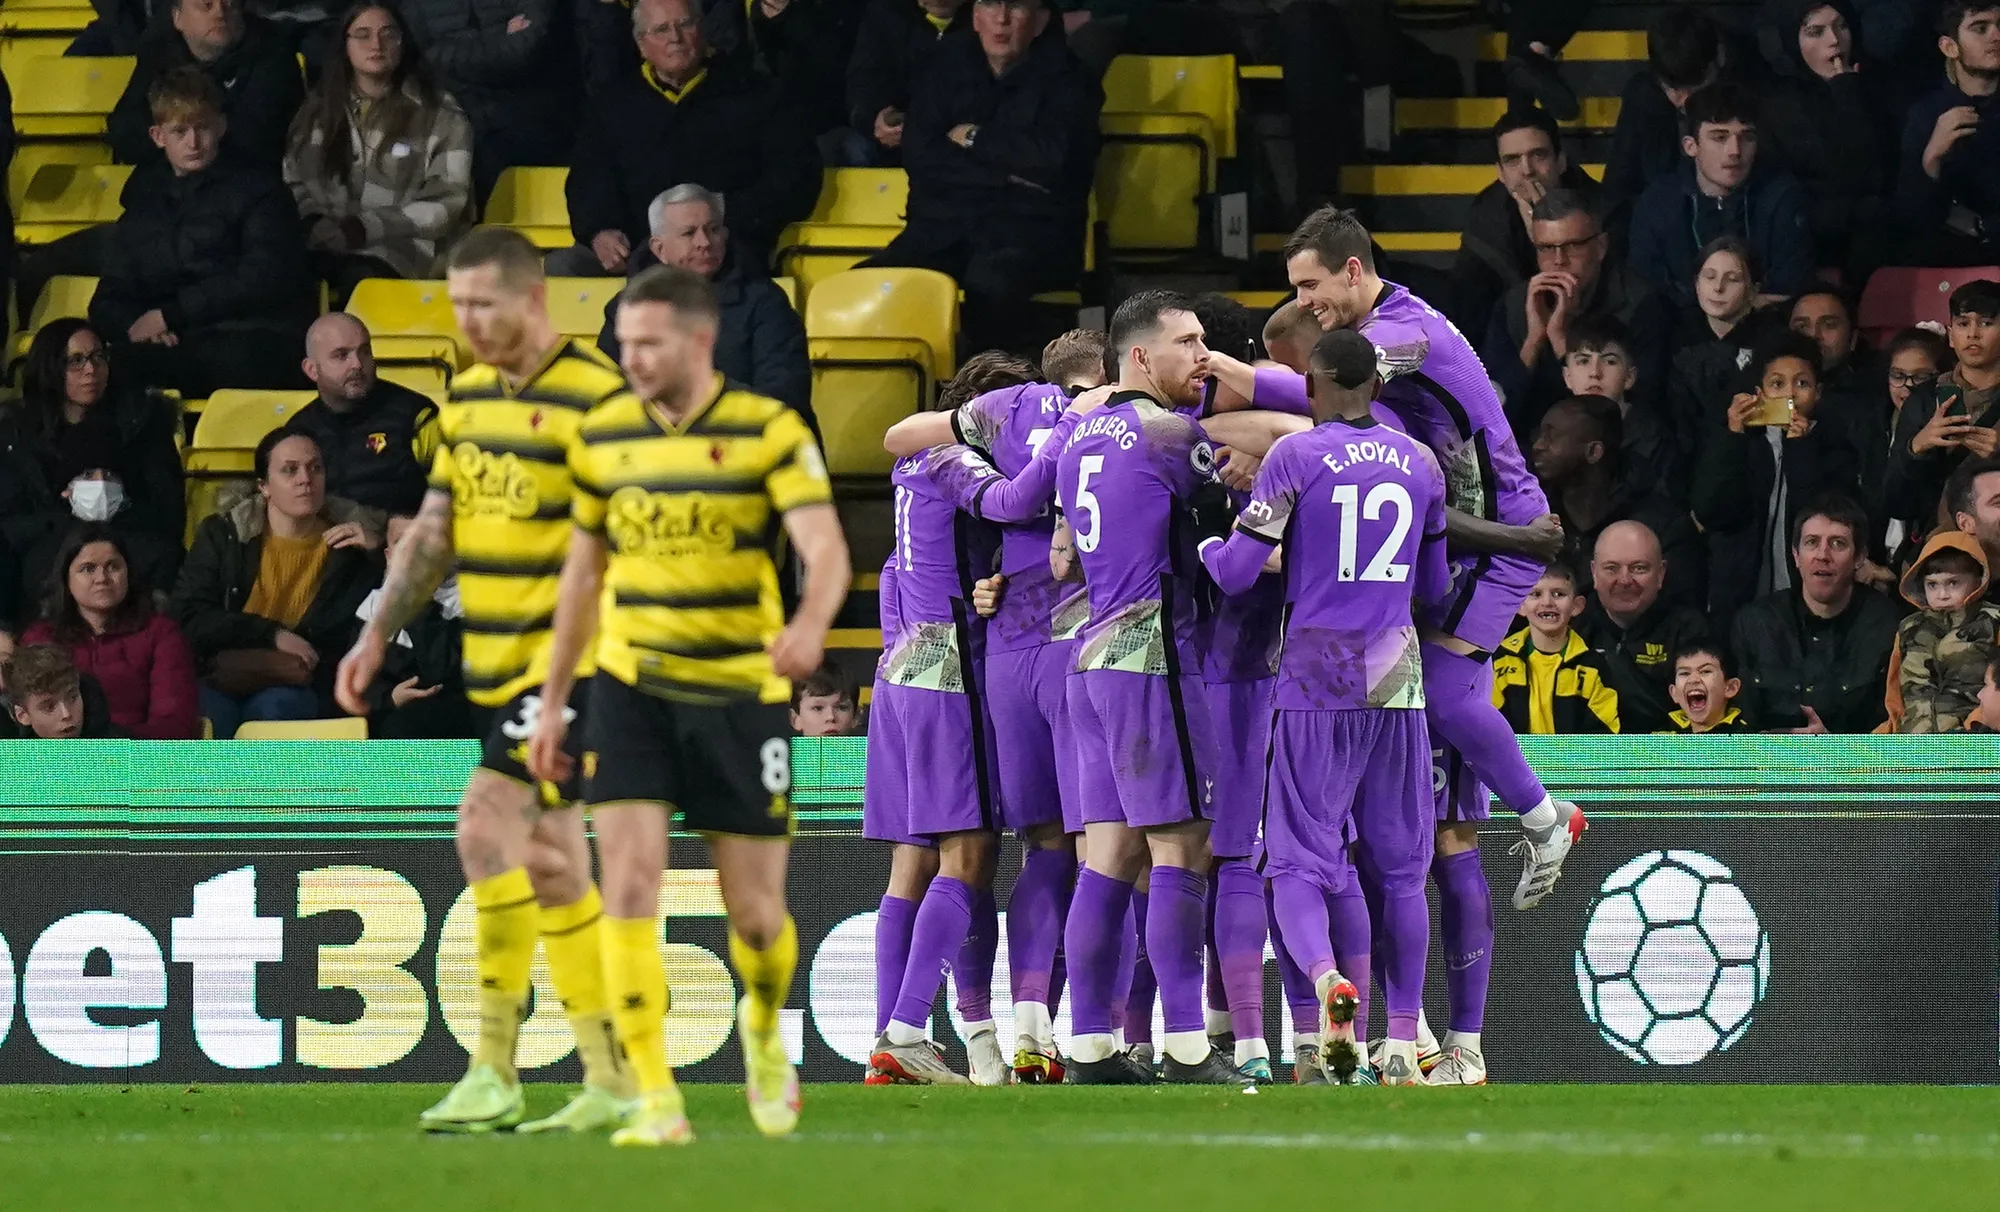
(1941, 655)
(1830, 134)
(1673, 220)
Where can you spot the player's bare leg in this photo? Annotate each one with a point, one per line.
(1035, 914)
(1176, 925)
(1465, 907)
(632, 845)
(1092, 939)
(965, 869)
(764, 947)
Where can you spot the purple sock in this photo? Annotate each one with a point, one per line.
(1035, 912)
(1300, 998)
(1217, 991)
(1406, 939)
(1458, 705)
(1058, 975)
(1173, 942)
(1129, 942)
(1239, 933)
(1302, 927)
(893, 920)
(1465, 919)
(942, 922)
(972, 975)
(1141, 985)
(1347, 913)
(1091, 937)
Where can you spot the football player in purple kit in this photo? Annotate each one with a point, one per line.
(1125, 476)
(1363, 509)
(1501, 537)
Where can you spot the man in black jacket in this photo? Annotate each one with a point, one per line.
(253, 68)
(805, 45)
(1496, 250)
(1816, 657)
(1635, 631)
(376, 438)
(512, 66)
(1684, 52)
(204, 282)
(1001, 146)
(896, 41)
(684, 116)
(1948, 184)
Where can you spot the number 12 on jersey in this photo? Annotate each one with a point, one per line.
(1388, 496)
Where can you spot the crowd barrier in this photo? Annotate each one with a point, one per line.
(1743, 909)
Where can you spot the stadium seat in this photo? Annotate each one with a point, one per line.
(66, 198)
(62, 297)
(531, 201)
(858, 212)
(346, 728)
(1897, 297)
(30, 157)
(791, 288)
(424, 378)
(409, 320)
(576, 305)
(56, 97)
(227, 428)
(881, 340)
(1167, 122)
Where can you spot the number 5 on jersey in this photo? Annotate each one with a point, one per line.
(1086, 502)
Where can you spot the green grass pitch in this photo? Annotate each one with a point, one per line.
(1543, 1148)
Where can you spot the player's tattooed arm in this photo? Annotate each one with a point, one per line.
(918, 433)
(1541, 539)
(418, 566)
(1252, 431)
(1063, 564)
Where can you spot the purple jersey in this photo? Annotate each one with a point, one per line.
(1360, 510)
(1439, 387)
(1239, 632)
(1010, 426)
(926, 587)
(1124, 476)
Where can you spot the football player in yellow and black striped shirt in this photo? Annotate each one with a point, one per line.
(680, 497)
(499, 502)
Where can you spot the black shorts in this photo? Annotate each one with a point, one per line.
(504, 733)
(725, 767)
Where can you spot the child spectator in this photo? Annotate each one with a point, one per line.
(1705, 689)
(827, 704)
(46, 696)
(1600, 362)
(420, 693)
(1946, 646)
(1956, 415)
(1987, 718)
(1916, 357)
(1546, 680)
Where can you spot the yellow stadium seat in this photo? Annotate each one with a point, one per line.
(236, 419)
(424, 378)
(1167, 122)
(62, 297)
(880, 340)
(1201, 86)
(791, 288)
(858, 212)
(42, 17)
(346, 728)
(531, 201)
(66, 198)
(866, 197)
(576, 305)
(409, 320)
(30, 157)
(56, 97)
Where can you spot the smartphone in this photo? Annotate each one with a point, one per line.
(1771, 412)
(1952, 396)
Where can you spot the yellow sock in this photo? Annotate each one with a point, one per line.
(767, 975)
(506, 904)
(571, 939)
(637, 982)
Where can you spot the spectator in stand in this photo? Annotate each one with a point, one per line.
(1528, 337)
(512, 66)
(1943, 649)
(684, 117)
(1704, 691)
(73, 449)
(380, 161)
(1577, 456)
(827, 703)
(257, 82)
(1546, 680)
(1826, 122)
(1720, 190)
(1632, 629)
(204, 283)
(50, 700)
(1987, 718)
(1915, 358)
(1684, 53)
(806, 45)
(761, 342)
(895, 43)
(1850, 392)
(376, 439)
(1498, 250)
(1769, 459)
(1600, 363)
(420, 693)
(269, 592)
(7, 645)
(1956, 415)
(106, 617)
(1001, 147)
(1815, 658)
(1948, 185)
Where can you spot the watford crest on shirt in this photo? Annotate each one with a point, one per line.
(377, 443)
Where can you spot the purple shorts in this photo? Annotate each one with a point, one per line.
(1461, 798)
(1241, 714)
(937, 751)
(1486, 594)
(1025, 702)
(1146, 739)
(1329, 768)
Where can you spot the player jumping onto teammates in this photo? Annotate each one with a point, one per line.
(1359, 509)
(681, 487)
(1502, 538)
(498, 504)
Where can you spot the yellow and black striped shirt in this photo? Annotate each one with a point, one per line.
(504, 458)
(691, 514)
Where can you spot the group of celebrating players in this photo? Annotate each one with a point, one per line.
(1283, 728)
(1261, 714)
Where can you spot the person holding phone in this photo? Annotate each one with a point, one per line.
(1766, 460)
(1954, 415)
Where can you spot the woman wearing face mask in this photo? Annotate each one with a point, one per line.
(105, 616)
(268, 595)
(79, 448)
